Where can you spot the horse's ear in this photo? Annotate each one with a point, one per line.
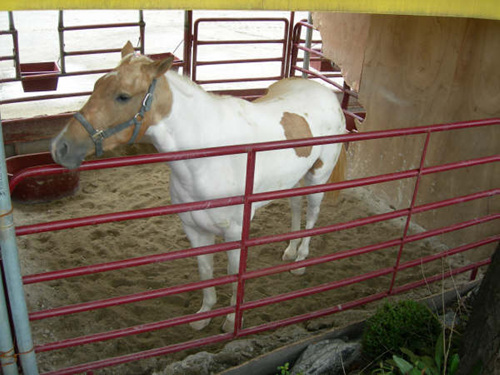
(160, 67)
(127, 49)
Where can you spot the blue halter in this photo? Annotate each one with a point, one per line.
(98, 136)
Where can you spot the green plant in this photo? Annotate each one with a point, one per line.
(285, 369)
(438, 364)
(406, 324)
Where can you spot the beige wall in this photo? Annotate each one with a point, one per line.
(413, 71)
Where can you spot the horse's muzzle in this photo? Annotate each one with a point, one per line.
(67, 153)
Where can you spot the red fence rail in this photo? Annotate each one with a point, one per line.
(246, 242)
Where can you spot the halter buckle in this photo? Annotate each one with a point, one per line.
(146, 99)
(98, 136)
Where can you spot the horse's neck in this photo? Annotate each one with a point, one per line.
(192, 119)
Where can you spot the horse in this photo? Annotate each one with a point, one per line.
(143, 100)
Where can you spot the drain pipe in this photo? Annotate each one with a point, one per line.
(12, 272)
(307, 55)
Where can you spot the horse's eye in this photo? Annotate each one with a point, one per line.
(123, 98)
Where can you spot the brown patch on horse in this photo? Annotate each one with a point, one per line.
(317, 165)
(296, 127)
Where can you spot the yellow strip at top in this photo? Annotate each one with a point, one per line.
(453, 8)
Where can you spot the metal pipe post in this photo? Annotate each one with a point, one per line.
(188, 41)
(7, 359)
(12, 271)
(142, 32)
(307, 55)
(15, 41)
(62, 52)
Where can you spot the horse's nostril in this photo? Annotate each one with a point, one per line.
(62, 150)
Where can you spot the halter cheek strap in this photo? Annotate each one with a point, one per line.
(98, 136)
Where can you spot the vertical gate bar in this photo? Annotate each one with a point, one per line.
(12, 272)
(142, 32)
(194, 50)
(245, 235)
(15, 42)
(294, 53)
(410, 211)
(62, 53)
(7, 359)
(473, 274)
(346, 96)
(289, 44)
(307, 55)
(188, 42)
(285, 49)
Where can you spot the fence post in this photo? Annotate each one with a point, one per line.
(7, 359)
(188, 42)
(307, 55)
(12, 272)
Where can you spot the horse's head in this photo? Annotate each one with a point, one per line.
(124, 103)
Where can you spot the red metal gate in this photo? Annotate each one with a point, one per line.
(247, 199)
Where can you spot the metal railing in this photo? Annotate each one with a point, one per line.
(12, 31)
(282, 43)
(316, 55)
(249, 197)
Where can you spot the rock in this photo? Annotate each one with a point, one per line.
(196, 364)
(319, 324)
(329, 357)
(450, 320)
(234, 353)
(204, 363)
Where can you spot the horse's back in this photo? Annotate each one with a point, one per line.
(315, 103)
(295, 88)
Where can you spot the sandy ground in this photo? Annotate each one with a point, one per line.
(147, 186)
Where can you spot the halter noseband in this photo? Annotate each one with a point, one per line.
(98, 136)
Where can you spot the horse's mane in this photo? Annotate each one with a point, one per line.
(188, 88)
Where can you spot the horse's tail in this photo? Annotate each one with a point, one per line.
(338, 174)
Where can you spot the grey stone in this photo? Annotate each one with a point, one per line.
(196, 364)
(328, 357)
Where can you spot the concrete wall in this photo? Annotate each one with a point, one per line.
(413, 71)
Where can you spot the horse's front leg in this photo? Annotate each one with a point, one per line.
(198, 238)
(233, 265)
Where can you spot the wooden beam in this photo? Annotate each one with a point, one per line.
(489, 9)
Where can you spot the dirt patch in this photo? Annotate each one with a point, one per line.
(147, 186)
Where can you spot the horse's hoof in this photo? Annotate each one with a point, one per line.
(298, 271)
(289, 254)
(200, 324)
(228, 325)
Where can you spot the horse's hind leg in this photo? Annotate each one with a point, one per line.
(296, 209)
(314, 177)
(313, 205)
(205, 267)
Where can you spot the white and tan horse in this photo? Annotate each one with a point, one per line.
(142, 100)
